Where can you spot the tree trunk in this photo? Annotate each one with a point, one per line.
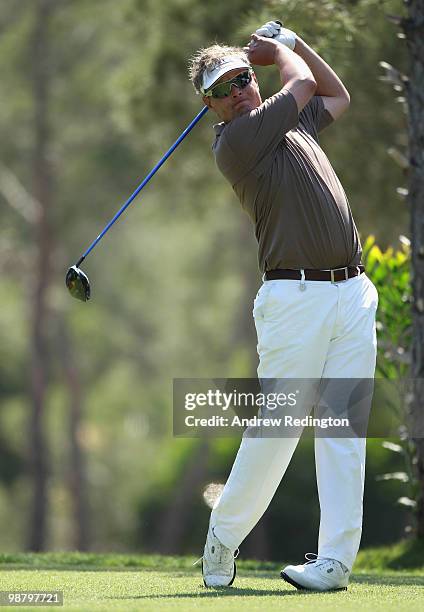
(77, 472)
(42, 188)
(413, 27)
(175, 520)
(256, 545)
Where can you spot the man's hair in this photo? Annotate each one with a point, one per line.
(206, 59)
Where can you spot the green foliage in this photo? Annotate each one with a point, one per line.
(406, 554)
(390, 273)
(332, 42)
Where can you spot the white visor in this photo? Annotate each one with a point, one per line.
(221, 67)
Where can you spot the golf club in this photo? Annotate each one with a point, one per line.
(76, 280)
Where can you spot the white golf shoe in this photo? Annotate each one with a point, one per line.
(317, 574)
(218, 566)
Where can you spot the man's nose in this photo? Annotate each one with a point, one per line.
(235, 90)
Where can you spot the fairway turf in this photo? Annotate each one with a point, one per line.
(119, 582)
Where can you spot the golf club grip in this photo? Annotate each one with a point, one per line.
(144, 182)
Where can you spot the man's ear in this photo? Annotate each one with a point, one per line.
(207, 101)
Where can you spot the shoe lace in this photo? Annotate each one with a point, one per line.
(314, 558)
(310, 558)
(235, 555)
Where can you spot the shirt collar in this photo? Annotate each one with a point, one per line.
(218, 127)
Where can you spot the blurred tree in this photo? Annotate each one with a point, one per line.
(39, 52)
(413, 28)
(174, 519)
(77, 469)
(412, 86)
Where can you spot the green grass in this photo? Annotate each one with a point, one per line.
(384, 579)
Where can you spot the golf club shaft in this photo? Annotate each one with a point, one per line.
(144, 182)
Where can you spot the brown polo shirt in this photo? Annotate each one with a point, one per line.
(284, 181)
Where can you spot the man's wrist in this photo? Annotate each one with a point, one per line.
(299, 45)
(280, 53)
(277, 48)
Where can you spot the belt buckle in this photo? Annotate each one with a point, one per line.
(346, 272)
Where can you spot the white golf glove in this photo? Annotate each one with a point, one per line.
(275, 30)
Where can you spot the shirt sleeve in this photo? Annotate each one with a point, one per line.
(253, 137)
(315, 117)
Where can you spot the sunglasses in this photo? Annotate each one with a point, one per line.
(223, 90)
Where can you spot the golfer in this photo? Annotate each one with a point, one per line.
(315, 311)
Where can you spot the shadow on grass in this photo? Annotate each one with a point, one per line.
(392, 580)
(230, 592)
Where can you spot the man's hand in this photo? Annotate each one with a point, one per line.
(296, 76)
(274, 29)
(261, 50)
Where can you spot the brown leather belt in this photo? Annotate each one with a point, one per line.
(335, 276)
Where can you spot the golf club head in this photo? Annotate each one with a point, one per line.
(78, 284)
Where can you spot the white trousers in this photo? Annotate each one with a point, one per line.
(328, 331)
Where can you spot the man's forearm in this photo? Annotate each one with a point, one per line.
(290, 66)
(328, 83)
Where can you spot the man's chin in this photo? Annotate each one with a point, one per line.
(242, 109)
